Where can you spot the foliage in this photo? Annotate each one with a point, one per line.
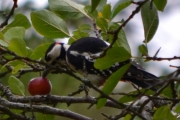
(18, 59)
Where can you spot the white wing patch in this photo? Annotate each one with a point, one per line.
(89, 56)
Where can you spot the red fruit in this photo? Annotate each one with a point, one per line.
(39, 86)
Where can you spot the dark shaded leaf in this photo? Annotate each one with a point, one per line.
(143, 49)
(102, 23)
(111, 84)
(160, 4)
(119, 6)
(94, 4)
(107, 12)
(113, 55)
(150, 20)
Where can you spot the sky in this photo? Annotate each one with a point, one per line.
(167, 36)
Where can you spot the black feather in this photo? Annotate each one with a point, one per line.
(134, 74)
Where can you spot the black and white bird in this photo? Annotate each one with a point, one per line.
(80, 57)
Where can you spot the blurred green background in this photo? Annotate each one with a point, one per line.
(63, 84)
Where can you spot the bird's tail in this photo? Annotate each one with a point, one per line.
(137, 75)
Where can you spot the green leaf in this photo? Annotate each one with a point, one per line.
(16, 85)
(67, 9)
(177, 108)
(160, 4)
(49, 24)
(94, 4)
(113, 55)
(29, 51)
(39, 52)
(3, 43)
(150, 20)
(103, 24)
(41, 116)
(119, 6)
(93, 14)
(111, 84)
(17, 68)
(101, 4)
(122, 41)
(85, 27)
(14, 32)
(143, 49)
(2, 40)
(128, 117)
(107, 12)
(1, 36)
(20, 20)
(77, 34)
(163, 113)
(47, 40)
(167, 92)
(18, 46)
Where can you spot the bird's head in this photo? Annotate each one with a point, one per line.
(55, 55)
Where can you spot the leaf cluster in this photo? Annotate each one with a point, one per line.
(18, 59)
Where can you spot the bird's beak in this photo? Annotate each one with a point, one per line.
(46, 71)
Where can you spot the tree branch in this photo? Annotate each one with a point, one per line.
(10, 14)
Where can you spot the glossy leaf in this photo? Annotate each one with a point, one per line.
(17, 68)
(20, 20)
(94, 4)
(85, 27)
(16, 85)
(111, 84)
(39, 51)
(2, 40)
(107, 12)
(49, 24)
(113, 55)
(93, 14)
(101, 5)
(150, 20)
(14, 32)
(163, 113)
(160, 4)
(67, 9)
(103, 24)
(119, 6)
(143, 49)
(18, 46)
(122, 41)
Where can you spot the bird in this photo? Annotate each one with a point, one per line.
(81, 55)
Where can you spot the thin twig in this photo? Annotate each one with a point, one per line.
(10, 14)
